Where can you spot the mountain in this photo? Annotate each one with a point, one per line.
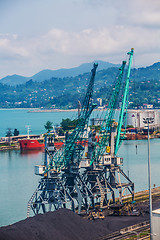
(14, 80)
(60, 73)
(65, 92)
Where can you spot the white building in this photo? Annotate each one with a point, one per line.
(136, 117)
(156, 224)
(96, 121)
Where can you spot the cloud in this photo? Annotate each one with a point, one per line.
(9, 46)
(106, 31)
(144, 13)
(105, 41)
(109, 44)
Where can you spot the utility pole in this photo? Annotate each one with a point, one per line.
(149, 120)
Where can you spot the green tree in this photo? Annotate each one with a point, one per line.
(130, 126)
(60, 132)
(16, 132)
(48, 126)
(9, 134)
(68, 124)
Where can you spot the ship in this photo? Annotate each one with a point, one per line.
(31, 144)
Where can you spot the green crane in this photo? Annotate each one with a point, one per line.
(100, 146)
(124, 105)
(66, 156)
(85, 113)
(105, 130)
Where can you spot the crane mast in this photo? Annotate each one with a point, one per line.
(65, 155)
(60, 176)
(69, 179)
(104, 174)
(124, 102)
(85, 113)
(100, 146)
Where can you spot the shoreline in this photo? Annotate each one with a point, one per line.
(38, 110)
(59, 110)
(52, 110)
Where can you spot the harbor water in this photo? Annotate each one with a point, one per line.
(21, 118)
(17, 179)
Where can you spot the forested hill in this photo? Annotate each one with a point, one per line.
(60, 73)
(65, 92)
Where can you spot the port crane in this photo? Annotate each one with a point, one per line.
(70, 155)
(103, 175)
(70, 179)
(60, 175)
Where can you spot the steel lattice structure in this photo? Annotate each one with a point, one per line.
(70, 180)
(65, 162)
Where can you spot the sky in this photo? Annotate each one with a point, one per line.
(50, 34)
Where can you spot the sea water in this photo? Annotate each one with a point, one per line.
(22, 118)
(17, 178)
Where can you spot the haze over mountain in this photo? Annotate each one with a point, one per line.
(60, 73)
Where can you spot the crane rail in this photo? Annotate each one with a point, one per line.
(124, 234)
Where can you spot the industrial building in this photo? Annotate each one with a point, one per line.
(136, 117)
(156, 224)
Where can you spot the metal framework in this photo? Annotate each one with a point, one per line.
(51, 194)
(105, 166)
(58, 189)
(70, 180)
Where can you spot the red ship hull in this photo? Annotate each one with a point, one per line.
(31, 144)
(58, 144)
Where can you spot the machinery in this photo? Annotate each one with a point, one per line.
(96, 214)
(103, 174)
(80, 177)
(61, 184)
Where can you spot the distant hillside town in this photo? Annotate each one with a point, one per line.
(65, 92)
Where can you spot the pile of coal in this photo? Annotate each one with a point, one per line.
(64, 224)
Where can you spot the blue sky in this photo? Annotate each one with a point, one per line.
(51, 34)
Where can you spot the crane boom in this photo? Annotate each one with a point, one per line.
(100, 146)
(105, 130)
(124, 103)
(65, 155)
(85, 113)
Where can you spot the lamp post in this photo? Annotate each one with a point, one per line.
(149, 120)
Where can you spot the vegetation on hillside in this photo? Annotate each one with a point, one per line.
(64, 93)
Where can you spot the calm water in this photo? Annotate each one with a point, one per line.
(21, 118)
(17, 179)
